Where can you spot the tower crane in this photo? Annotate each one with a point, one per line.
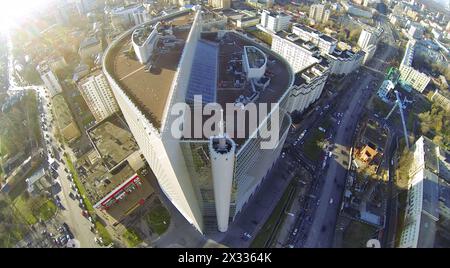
(400, 105)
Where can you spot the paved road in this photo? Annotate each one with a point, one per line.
(71, 212)
(322, 228)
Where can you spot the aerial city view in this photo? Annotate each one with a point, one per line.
(225, 124)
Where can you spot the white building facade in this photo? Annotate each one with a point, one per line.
(275, 22)
(49, 78)
(98, 95)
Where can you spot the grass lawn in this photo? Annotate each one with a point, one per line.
(24, 210)
(311, 146)
(265, 37)
(158, 219)
(132, 238)
(103, 233)
(271, 223)
(46, 210)
(357, 234)
(79, 185)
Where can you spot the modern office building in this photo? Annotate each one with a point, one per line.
(49, 78)
(220, 3)
(324, 42)
(275, 21)
(208, 178)
(98, 95)
(410, 76)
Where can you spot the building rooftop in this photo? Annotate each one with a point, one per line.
(141, 34)
(96, 178)
(89, 41)
(296, 40)
(342, 54)
(149, 89)
(113, 140)
(409, 54)
(431, 158)
(255, 57)
(64, 117)
(315, 70)
(228, 91)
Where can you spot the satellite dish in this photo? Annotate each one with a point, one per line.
(373, 243)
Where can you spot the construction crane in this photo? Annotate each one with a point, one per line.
(399, 103)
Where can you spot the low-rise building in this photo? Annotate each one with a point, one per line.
(442, 98)
(114, 172)
(90, 47)
(64, 119)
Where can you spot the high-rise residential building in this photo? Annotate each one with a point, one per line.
(90, 47)
(416, 31)
(369, 53)
(85, 6)
(428, 196)
(311, 69)
(275, 21)
(98, 95)
(326, 15)
(49, 78)
(316, 12)
(300, 54)
(324, 42)
(220, 3)
(319, 14)
(343, 62)
(448, 26)
(208, 177)
(410, 76)
(367, 38)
